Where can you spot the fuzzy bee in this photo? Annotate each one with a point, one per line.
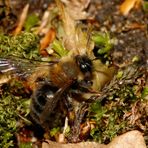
(73, 76)
(52, 80)
(78, 74)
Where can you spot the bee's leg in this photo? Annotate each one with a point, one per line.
(68, 101)
(76, 128)
(38, 130)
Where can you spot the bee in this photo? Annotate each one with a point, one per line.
(77, 75)
(52, 80)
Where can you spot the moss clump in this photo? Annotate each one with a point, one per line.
(121, 106)
(13, 105)
(23, 45)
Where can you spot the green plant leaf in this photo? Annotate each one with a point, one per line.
(103, 41)
(31, 21)
(59, 48)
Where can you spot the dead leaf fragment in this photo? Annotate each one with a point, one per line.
(22, 20)
(43, 22)
(127, 5)
(77, 8)
(132, 139)
(50, 144)
(75, 39)
(69, 27)
(136, 26)
(135, 115)
(47, 39)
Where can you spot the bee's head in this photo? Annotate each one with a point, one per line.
(85, 65)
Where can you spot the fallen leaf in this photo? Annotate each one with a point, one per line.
(127, 5)
(44, 22)
(22, 19)
(75, 39)
(69, 27)
(77, 8)
(132, 139)
(46, 40)
(135, 115)
(134, 26)
(50, 144)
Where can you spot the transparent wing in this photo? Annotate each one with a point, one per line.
(20, 67)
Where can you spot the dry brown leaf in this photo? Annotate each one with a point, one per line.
(46, 40)
(127, 5)
(135, 26)
(132, 139)
(135, 115)
(50, 144)
(44, 22)
(76, 8)
(69, 27)
(22, 19)
(75, 39)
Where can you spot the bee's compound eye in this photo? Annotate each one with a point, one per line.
(84, 63)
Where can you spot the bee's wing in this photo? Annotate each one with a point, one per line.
(20, 67)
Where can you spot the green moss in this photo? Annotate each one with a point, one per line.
(117, 99)
(11, 107)
(23, 45)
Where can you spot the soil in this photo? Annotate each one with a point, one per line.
(130, 41)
